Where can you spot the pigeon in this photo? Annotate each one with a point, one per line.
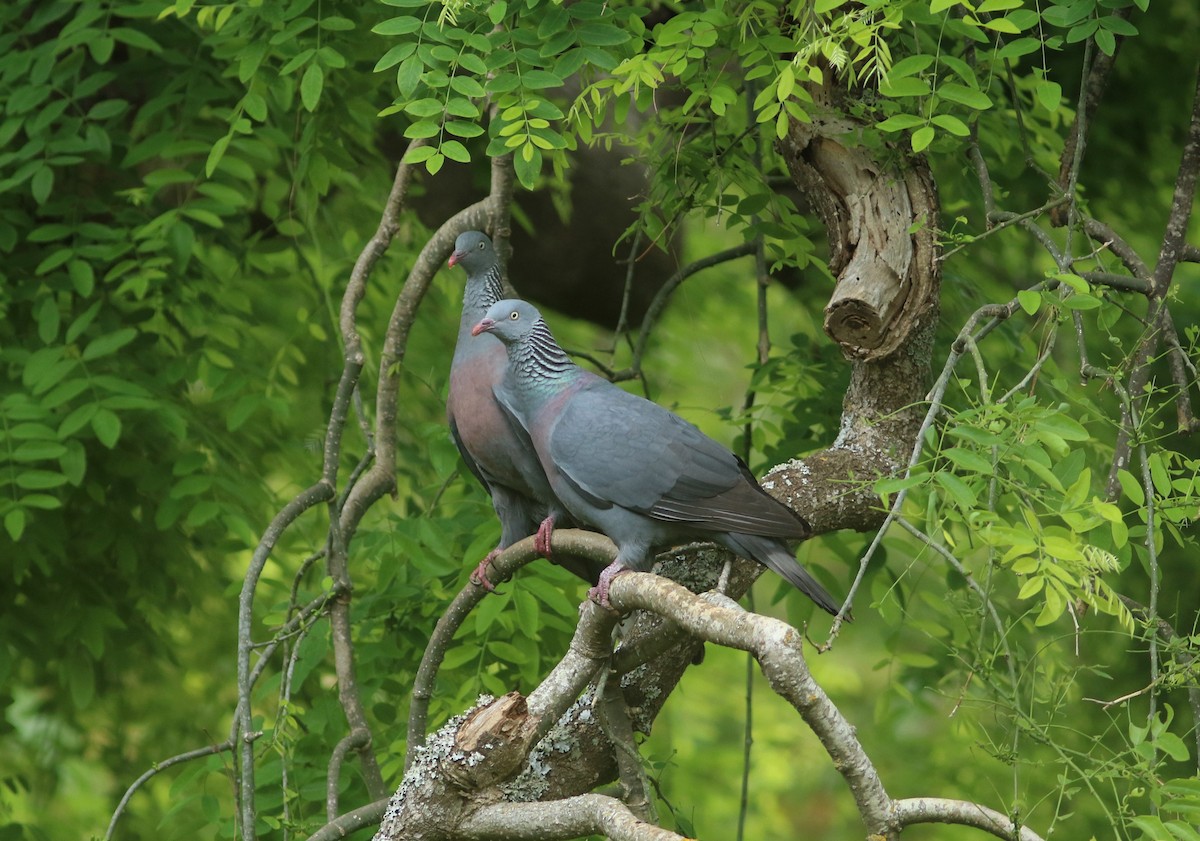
(497, 451)
(636, 471)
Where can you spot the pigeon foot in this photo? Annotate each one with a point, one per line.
(541, 540)
(479, 575)
(599, 593)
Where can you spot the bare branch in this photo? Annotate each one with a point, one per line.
(573, 541)
(914, 810)
(574, 817)
(242, 721)
(363, 816)
(158, 767)
(655, 310)
(778, 648)
(1173, 246)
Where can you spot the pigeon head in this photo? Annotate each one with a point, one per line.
(473, 251)
(509, 320)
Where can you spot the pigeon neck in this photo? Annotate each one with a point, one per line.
(483, 289)
(539, 363)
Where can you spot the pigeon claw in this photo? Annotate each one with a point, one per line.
(479, 576)
(599, 593)
(541, 540)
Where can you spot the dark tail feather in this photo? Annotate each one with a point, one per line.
(775, 555)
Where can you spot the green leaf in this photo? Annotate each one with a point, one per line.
(904, 87)
(497, 11)
(1030, 300)
(528, 165)
(909, 66)
(408, 75)
(455, 151)
(988, 7)
(42, 184)
(107, 427)
(922, 137)
(422, 129)
(108, 343)
(540, 79)
(951, 124)
(953, 92)
(1082, 302)
(467, 86)
(39, 480)
(48, 320)
(215, 155)
(1132, 488)
(311, 85)
(969, 460)
(900, 122)
(397, 26)
(1048, 93)
(14, 523)
(602, 35)
(958, 490)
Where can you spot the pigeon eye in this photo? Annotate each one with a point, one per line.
(481, 245)
(514, 315)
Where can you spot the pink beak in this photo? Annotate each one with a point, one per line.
(483, 327)
(454, 258)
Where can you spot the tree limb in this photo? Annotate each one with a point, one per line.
(914, 810)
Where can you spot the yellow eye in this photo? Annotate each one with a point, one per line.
(514, 315)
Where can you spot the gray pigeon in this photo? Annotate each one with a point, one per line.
(639, 473)
(497, 451)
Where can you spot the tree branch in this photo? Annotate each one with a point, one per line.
(574, 817)
(1172, 248)
(914, 810)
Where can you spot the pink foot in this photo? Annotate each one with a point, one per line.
(541, 540)
(599, 593)
(479, 576)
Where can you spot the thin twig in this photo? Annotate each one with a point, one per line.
(155, 769)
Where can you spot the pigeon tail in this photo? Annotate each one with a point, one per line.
(774, 554)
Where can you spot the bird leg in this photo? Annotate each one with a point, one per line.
(479, 576)
(599, 593)
(541, 540)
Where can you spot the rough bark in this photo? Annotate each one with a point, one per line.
(881, 218)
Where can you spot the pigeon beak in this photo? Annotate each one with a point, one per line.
(454, 258)
(483, 326)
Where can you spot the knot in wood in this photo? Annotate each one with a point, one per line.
(492, 743)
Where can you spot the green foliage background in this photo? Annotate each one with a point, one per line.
(184, 189)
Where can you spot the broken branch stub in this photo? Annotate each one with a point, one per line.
(497, 737)
(881, 215)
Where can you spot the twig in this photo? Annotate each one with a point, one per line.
(156, 768)
(1167, 632)
(363, 816)
(1152, 608)
(354, 740)
(314, 495)
(995, 313)
(659, 303)
(1173, 243)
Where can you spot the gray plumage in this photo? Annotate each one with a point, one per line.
(497, 451)
(636, 471)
